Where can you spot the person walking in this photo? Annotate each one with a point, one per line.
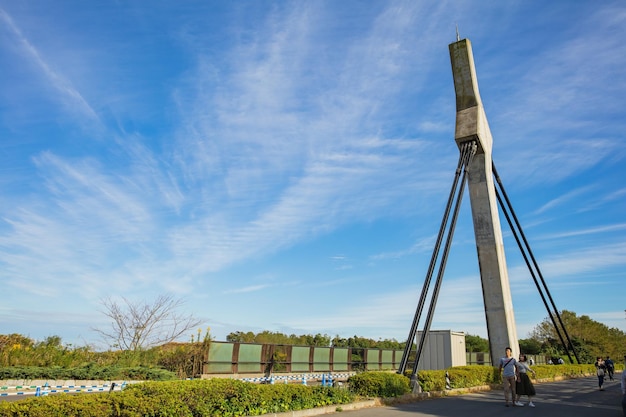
(610, 367)
(624, 392)
(600, 371)
(508, 370)
(524, 385)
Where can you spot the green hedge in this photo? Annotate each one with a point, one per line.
(228, 397)
(87, 372)
(199, 398)
(476, 375)
(389, 384)
(379, 384)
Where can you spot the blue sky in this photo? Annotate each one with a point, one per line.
(284, 166)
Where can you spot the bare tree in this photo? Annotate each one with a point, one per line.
(141, 325)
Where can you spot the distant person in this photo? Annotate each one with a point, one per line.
(550, 361)
(531, 361)
(524, 385)
(508, 368)
(600, 371)
(610, 367)
(624, 390)
(560, 361)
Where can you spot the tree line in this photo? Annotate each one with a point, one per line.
(137, 326)
(277, 338)
(589, 338)
(143, 335)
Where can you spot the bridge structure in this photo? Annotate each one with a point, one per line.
(476, 170)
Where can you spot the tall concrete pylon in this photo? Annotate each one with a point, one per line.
(472, 125)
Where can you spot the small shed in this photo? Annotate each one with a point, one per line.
(442, 349)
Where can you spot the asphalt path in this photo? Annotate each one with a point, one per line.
(572, 398)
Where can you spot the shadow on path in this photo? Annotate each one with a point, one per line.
(573, 398)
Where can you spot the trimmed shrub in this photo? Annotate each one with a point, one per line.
(432, 380)
(379, 384)
(472, 376)
(476, 375)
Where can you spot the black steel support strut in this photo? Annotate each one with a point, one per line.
(526, 252)
(468, 149)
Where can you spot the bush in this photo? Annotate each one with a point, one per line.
(379, 384)
(476, 375)
(568, 371)
(432, 380)
(472, 376)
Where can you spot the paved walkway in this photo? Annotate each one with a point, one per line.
(573, 398)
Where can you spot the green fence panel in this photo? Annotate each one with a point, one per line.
(371, 357)
(321, 359)
(250, 358)
(387, 360)
(300, 358)
(220, 358)
(220, 352)
(340, 359)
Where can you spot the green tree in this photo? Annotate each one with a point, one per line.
(339, 341)
(241, 337)
(589, 337)
(530, 346)
(390, 344)
(476, 344)
(321, 340)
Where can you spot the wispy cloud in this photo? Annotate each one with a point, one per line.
(563, 91)
(588, 231)
(251, 288)
(563, 199)
(560, 268)
(390, 314)
(425, 244)
(68, 94)
(286, 125)
(334, 172)
(598, 202)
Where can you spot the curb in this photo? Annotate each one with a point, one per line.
(377, 402)
(329, 409)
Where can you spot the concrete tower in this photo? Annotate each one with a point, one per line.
(471, 125)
